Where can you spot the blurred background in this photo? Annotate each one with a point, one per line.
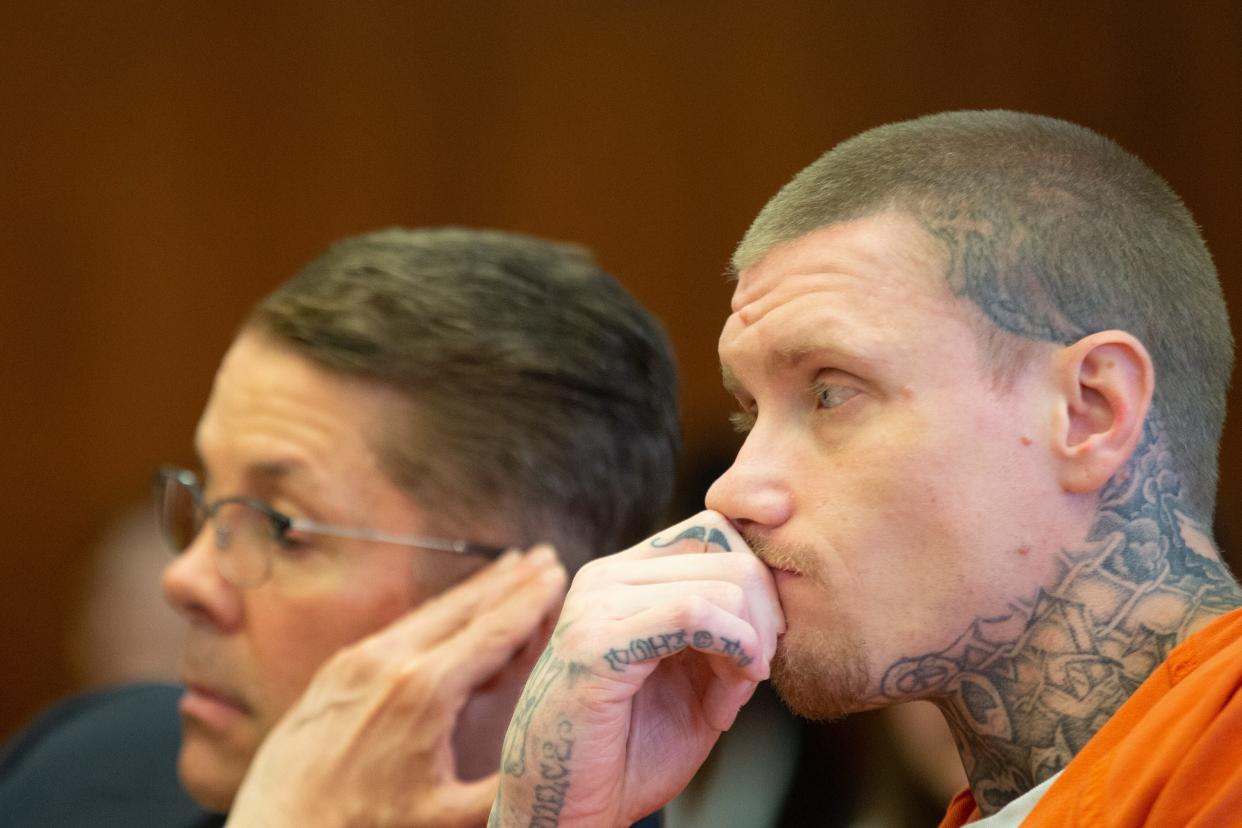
(167, 163)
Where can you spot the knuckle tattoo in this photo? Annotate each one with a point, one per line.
(662, 645)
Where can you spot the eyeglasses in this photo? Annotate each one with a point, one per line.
(247, 530)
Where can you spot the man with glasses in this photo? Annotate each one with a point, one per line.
(385, 425)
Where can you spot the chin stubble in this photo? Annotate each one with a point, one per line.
(821, 674)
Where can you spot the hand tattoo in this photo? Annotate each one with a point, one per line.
(665, 644)
(710, 537)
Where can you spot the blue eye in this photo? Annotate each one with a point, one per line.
(831, 395)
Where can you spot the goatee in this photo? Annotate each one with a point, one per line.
(820, 674)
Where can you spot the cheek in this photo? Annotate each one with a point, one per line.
(292, 635)
(899, 512)
(943, 509)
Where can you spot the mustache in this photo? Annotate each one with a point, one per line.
(778, 555)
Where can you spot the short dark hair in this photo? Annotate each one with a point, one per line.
(1054, 232)
(542, 397)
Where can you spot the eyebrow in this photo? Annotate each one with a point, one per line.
(263, 475)
(794, 356)
(791, 357)
(273, 476)
(275, 470)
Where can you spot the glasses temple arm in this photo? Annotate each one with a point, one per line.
(459, 547)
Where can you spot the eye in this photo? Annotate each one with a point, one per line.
(831, 395)
(286, 540)
(291, 544)
(294, 549)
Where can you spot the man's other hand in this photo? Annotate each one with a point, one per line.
(370, 741)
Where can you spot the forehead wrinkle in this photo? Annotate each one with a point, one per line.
(285, 441)
(788, 332)
(850, 313)
(890, 241)
(280, 436)
(756, 303)
(267, 466)
(852, 294)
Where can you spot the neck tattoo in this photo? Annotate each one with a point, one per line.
(1023, 692)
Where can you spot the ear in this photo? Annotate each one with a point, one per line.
(1106, 382)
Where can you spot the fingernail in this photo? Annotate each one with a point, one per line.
(508, 560)
(541, 555)
(551, 576)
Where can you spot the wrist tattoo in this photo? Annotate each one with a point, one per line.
(546, 671)
(665, 644)
(710, 537)
(554, 771)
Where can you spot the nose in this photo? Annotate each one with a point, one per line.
(755, 492)
(193, 586)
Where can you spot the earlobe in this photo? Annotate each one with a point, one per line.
(1106, 382)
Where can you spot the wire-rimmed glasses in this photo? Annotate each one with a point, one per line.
(247, 531)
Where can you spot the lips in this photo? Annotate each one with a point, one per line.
(779, 558)
(778, 568)
(213, 707)
(782, 576)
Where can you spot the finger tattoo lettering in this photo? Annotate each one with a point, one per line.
(646, 649)
(703, 534)
(734, 648)
(665, 644)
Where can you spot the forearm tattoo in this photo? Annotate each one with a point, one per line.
(550, 793)
(546, 671)
(554, 752)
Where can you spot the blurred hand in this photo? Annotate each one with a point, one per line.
(370, 741)
(656, 649)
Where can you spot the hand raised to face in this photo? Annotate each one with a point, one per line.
(370, 741)
(656, 649)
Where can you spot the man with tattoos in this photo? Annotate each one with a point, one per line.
(402, 411)
(981, 361)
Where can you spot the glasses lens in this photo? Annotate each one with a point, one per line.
(243, 542)
(177, 506)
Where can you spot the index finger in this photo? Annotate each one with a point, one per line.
(710, 531)
(441, 616)
(707, 531)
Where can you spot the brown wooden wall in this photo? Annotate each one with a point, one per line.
(165, 163)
